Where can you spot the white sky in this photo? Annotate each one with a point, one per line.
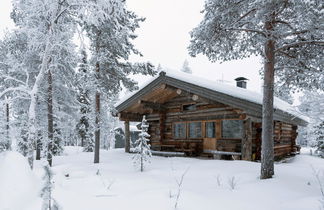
(164, 37)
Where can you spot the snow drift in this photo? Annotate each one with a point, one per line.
(19, 188)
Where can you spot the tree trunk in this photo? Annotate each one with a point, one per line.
(127, 137)
(50, 118)
(247, 140)
(267, 155)
(8, 127)
(97, 131)
(38, 146)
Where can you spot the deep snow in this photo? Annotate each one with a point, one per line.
(115, 184)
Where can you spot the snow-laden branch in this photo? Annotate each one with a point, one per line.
(7, 77)
(23, 89)
(296, 44)
(248, 30)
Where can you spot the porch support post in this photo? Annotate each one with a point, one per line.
(162, 125)
(247, 140)
(127, 137)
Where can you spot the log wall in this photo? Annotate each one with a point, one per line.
(161, 124)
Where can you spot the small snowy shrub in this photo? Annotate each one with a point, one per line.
(142, 147)
(232, 182)
(48, 202)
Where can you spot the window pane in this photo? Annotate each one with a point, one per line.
(232, 129)
(210, 129)
(179, 130)
(189, 107)
(195, 130)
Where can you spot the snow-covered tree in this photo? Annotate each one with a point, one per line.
(283, 92)
(319, 134)
(312, 104)
(289, 35)
(85, 82)
(185, 67)
(142, 147)
(111, 45)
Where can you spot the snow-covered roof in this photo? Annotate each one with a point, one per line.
(230, 90)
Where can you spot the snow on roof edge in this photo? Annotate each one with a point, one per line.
(221, 87)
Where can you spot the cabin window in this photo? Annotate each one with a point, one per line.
(189, 107)
(232, 129)
(195, 130)
(179, 130)
(210, 129)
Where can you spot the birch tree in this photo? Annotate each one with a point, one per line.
(287, 34)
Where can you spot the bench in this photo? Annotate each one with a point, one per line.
(168, 154)
(218, 154)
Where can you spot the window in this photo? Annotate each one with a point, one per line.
(195, 130)
(189, 107)
(179, 130)
(232, 129)
(210, 130)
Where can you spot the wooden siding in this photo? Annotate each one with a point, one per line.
(284, 133)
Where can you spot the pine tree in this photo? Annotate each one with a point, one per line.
(85, 82)
(111, 45)
(142, 147)
(185, 67)
(58, 144)
(289, 35)
(319, 135)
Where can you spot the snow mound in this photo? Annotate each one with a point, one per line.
(19, 188)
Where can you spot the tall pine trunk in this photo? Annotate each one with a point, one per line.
(267, 154)
(50, 118)
(97, 131)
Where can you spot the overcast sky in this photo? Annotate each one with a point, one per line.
(164, 37)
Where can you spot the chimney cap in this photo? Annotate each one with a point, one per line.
(241, 79)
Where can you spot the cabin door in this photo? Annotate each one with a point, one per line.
(209, 143)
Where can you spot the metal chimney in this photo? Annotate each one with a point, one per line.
(241, 82)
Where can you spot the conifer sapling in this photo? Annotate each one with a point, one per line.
(142, 147)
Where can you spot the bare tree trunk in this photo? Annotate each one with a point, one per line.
(97, 131)
(50, 118)
(267, 154)
(8, 127)
(38, 146)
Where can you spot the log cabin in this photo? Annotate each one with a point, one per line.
(200, 117)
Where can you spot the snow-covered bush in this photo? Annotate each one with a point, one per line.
(319, 135)
(48, 202)
(142, 147)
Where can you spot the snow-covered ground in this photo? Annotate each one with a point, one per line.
(207, 185)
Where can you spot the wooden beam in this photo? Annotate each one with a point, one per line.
(128, 116)
(152, 105)
(247, 140)
(127, 137)
(162, 125)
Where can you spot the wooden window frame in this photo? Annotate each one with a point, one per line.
(201, 129)
(173, 130)
(221, 131)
